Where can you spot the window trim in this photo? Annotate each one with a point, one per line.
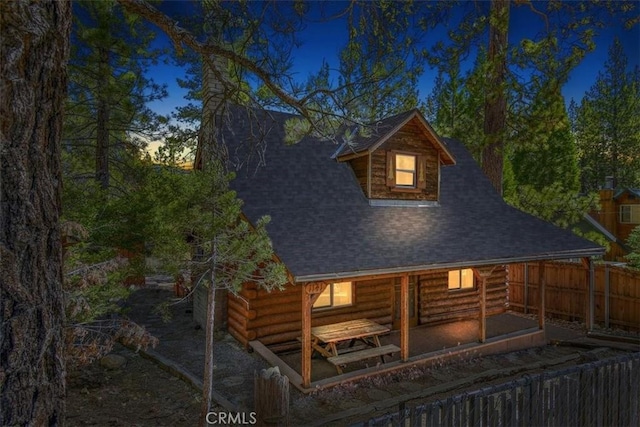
(419, 173)
(331, 305)
(414, 171)
(634, 214)
(472, 288)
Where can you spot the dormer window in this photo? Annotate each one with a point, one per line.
(406, 171)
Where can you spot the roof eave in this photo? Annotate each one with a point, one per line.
(447, 159)
(450, 266)
(351, 156)
(600, 228)
(379, 142)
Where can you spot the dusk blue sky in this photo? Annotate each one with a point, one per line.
(322, 41)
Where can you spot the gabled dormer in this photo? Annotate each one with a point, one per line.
(399, 159)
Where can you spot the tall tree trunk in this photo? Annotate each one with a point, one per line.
(102, 145)
(495, 108)
(35, 51)
(102, 119)
(207, 379)
(210, 155)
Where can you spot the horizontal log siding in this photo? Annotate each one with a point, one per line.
(275, 318)
(438, 304)
(411, 138)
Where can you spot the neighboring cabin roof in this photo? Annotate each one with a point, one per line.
(595, 225)
(633, 191)
(377, 133)
(322, 226)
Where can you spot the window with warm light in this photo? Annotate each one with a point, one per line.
(461, 279)
(630, 214)
(405, 170)
(337, 294)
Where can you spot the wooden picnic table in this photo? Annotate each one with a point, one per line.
(326, 339)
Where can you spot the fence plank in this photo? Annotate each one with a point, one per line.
(558, 402)
(476, 410)
(625, 398)
(599, 393)
(511, 412)
(600, 387)
(618, 304)
(634, 406)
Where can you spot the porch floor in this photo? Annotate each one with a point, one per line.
(425, 341)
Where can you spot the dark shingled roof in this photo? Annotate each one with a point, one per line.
(323, 227)
(633, 191)
(376, 133)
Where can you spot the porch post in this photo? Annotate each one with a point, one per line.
(481, 275)
(404, 317)
(589, 312)
(310, 293)
(541, 289)
(306, 338)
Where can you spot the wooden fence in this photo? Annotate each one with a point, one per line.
(606, 392)
(616, 296)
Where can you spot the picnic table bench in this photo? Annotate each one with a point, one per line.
(357, 356)
(326, 339)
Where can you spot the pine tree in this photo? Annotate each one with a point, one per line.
(607, 125)
(107, 121)
(456, 105)
(634, 243)
(379, 66)
(544, 149)
(567, 36)
(106, 129)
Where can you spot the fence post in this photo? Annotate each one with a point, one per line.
(606, 295)
(271, 397)
(592, 295)
(526, 288)
(541, 298)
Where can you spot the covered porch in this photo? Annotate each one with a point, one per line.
(311, 291)
(429, 345)
(426, 344)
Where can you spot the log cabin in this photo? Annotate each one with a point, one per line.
(394, 224)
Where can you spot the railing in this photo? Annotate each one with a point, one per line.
(599, 393)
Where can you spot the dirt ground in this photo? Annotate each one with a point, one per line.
(138, 394)
(142, 394)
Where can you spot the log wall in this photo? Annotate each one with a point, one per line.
(360, 166)
(438, 304)
(275, 318)
(411, 138)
